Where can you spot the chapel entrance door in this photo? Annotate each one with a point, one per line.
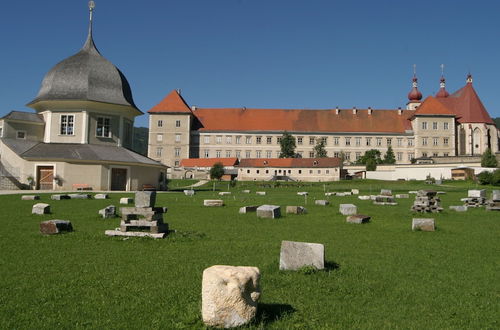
(45, 178)
(119, 179)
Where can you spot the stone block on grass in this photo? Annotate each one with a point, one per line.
(269, 211)
(224, 193)
(145, 198)
(355, 191)
(458, 208)
(364, 198)
(358, 218)
(101, 196)
(296, 210)
(229, 295)
(80, 196)
(246, 191)
(59, 197)
(386, 192)
(189, 192)
(40, 208)
(108, 212)
(423, 224)
(495, 196)
(126, 200)
(260, 193)
(30, 197)
(321, 202)
(402, 196)
(302, 193)
(477, 193)
(295, 255)
(348, 209)
(248, 209)
(52, 227)
(213, 202)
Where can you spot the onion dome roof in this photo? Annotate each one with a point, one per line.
(414, 95)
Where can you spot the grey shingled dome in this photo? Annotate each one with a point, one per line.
(86, 76)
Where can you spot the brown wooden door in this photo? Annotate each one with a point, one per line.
(45, 178)
(118, 179)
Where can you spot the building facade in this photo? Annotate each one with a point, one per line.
(80, 134)
(444, 125)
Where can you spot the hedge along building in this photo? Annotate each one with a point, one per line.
(81, 132)
(443, 125)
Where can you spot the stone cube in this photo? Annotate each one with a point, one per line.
(364, 198)
(59, 197)
(30, 197)
(355, 191)
(108, 212)
(145, 198)
(302, 193)
(402, 196)
(213, 202)
(247, 209)
(477, 193)
(321, 202)
(261, 193)
(295, 255)
(79, 196)
(189, 192)
(229, 295)
(358, 218)
(246, 191)
(269, 211)
(459, 208)
(40, 208)
(126, 200)
(423, 224)
(296, 210)
(348, 209)
(101, 196)
(495, 196)
(51, 227)
(386, 192)
(330, 194)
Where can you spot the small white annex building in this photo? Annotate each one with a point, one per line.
(81, 133)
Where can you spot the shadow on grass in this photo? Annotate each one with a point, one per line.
(269, 313)
(331, 266)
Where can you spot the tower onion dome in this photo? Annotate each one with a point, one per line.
(442, 88)
(86, 76)
(414, 95)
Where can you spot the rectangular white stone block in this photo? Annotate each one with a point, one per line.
(269, 211)
(423, 224)
(477, 193)
(348, 209)
(295, 255)
(321, 202)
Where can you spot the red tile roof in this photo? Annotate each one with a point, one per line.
(172, 103)
(208, 162)
(241, 119)
(431, 106)
(290, 162)
(465, 103)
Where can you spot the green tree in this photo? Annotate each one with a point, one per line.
(371, 164)
(370, 154)
(389, 156)
(488, 159)
(287, 145)
(319, 149)
(217, 171)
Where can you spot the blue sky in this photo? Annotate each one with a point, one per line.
(260, 53)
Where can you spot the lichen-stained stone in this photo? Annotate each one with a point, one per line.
(52, 227)
(229, 295)
(40, 208)
(145, 198)
(477, 193)
(321, 202)
(269, 211)
(30, 197)
(213, 202)
(108, 212)
(295, 255)
(358, 218)
(348, 209)
(423, 224)
(296, 210)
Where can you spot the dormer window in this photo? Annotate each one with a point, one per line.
(67, 125)
(103, 128)
(21, 135)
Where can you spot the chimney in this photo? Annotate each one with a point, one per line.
(400, 111)
(337, 110)
(354, 110)
(193, 107)
(369, 110)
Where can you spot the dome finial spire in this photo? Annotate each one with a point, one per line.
(414, 95)
(442, 85)
(91, 11)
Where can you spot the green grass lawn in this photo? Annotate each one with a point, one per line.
(380, 274)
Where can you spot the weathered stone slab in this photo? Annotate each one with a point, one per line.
(358, 218)
(330, 194)
(413, 192)
(145, 198)
(213, 202)
(229, 295)
(321, 202)
(261, 193)
(269, 211)
(295, 255)
(402, 196)
(441, 192)
(477, 193)
(386, 192)
(302, 193)
(364, 198)
(248, 209)
(59, 197)
(495, 195)
(355, 191)
(30, 197)
(51, 227)
(108, 212)
(189, 192)
(101, 196)
(459, 208)
(296, 210)
(224, 193)
(40, 208)
(80, 196)
(348, 209)
(423, 224)
(126, 200)
(142, 213)
(342, 194)
(118, 232)
(246, 191)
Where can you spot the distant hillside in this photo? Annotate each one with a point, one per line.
(497, 121)
(141, 140)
